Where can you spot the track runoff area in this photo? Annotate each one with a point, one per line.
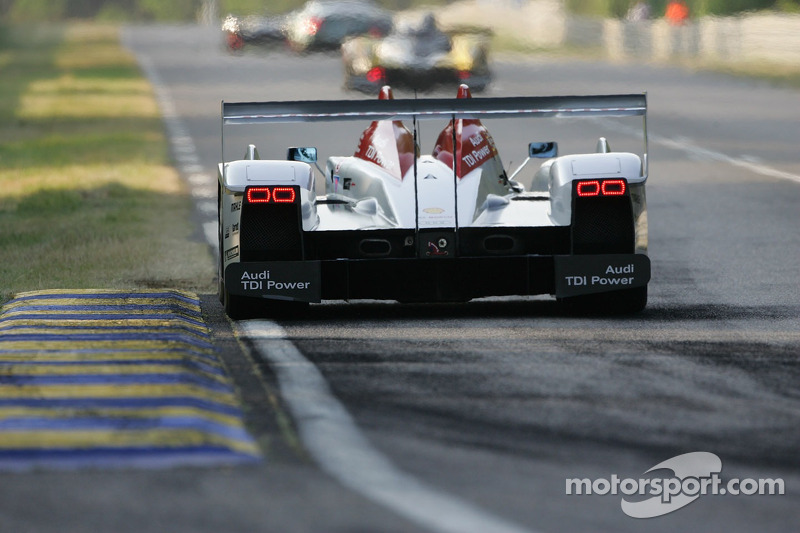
(114, 379)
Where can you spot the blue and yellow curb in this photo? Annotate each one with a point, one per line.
(112, 378)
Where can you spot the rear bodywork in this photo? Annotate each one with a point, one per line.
(395, 223)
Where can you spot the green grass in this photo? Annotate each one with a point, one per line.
(88, 198)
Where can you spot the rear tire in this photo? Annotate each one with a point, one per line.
(624, 302)
(244, 307)
(241, 307)
(221, 262)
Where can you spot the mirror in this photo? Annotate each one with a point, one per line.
(543, 150)
(306, 154)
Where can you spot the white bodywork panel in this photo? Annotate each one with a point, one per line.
(395, 204)
(564, 170)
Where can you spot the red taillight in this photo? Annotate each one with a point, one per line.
(283, 195)
(376, 74)
(258, 195)
(235, 41)
(612, 187)
(312, 25)
(271, 195)
(585, 189)
(588, 188)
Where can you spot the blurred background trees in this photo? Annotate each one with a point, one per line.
(12, 11)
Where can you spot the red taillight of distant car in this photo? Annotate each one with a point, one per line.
(312, 25)
(235, 41)
(376, 74)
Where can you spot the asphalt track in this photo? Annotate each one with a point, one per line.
(486, 409)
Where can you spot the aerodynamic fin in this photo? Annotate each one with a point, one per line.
(387, 143)
(474, 144)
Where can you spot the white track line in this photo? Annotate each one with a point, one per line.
(686, 145)
(333, 439)
(746, 162)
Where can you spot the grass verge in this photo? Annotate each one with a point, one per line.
(88, 198)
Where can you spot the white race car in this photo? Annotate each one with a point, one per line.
(396, 223)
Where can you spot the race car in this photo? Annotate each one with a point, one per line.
(319, 25)
(264, 31)
(324, 24)
(418, 56)
(445, 224)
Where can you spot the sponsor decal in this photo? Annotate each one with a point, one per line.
(232, 253)
(437, 248)
(433, 210)
(605, 279)
(279, 280)
(578, 274)
(236, 206)
(672, 485)
(477, 148)
(374, 153)
(476, 157)
(476, 139)
(227, 231)
(254, 281)
(235, 228)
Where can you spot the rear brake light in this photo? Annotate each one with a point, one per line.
(258, 195)
(612, 188)
(283, 195)
(271, 195)
(588, 188)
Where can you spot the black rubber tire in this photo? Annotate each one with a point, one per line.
(236, 307)
(624, 302)
(242, 307)
(220, 263)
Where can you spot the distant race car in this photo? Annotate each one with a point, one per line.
(325, 24)
(397, 222)
(254, 30)
(418, 56)
(318, 25)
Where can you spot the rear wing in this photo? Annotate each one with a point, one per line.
(622, 105)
